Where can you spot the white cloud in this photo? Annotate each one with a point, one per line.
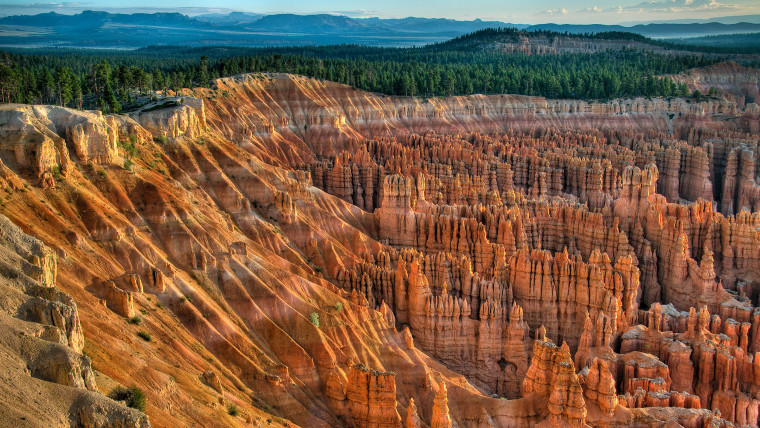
(562, 11)
(356, 13)
(595, 9)
(680, 6)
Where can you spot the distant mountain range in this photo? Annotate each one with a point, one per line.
(115, 30)
(733, 19)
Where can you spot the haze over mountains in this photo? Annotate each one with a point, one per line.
(115, 30)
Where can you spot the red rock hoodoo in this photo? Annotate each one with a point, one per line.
(320, 256)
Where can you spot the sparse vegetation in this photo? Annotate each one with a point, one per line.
(135, 320)
(132, 397)
(129, 147)
(339, 306)
(160, 139)
(144, 335)
(314, 319)
(128, 164)
(57, 173)
(232, 410)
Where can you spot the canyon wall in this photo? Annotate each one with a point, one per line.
(321, 256)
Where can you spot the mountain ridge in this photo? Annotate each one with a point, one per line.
(117, 30)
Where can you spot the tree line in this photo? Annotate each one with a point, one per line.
(111, 80)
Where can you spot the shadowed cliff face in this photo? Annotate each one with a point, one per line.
(321, 256)
(729, 79)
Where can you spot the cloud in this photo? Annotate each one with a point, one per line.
(647, 8)
(562, 11)
(680, 6)
(49, 5)
(356, 13)
(594, 9)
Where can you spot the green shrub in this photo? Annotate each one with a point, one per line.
(102, 173)
(232, 410)
(128, 164)
(129, 147)
(135, 320)
(339, 306)
(314, 318)
(133, 397)
(57, 173)
(160, 139)
(144, 335)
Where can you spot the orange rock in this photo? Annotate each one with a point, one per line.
(441, 418)
(371, 398)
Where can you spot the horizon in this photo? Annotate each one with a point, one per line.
(626, 13)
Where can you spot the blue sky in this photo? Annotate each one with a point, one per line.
(529, 12)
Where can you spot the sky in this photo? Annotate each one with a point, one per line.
(511, 11)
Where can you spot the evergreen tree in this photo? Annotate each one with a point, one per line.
(64, 82)
(47, 86)
(9, 82)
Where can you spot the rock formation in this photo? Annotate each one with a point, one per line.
(319, 256)
(41, 341)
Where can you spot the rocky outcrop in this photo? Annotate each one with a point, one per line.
(94, 413)
(703, 356)
(49, 139)
(412, 420)
(371, 398)
(552, 374)
(728, 79)
(599, 386)
(41, 341)
(441, 418)
(173, 118)
(118, 300)
(212, 379)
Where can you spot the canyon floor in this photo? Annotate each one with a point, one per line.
(284, 251)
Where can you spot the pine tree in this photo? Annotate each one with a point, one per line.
(9, 83)
(63, 84)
